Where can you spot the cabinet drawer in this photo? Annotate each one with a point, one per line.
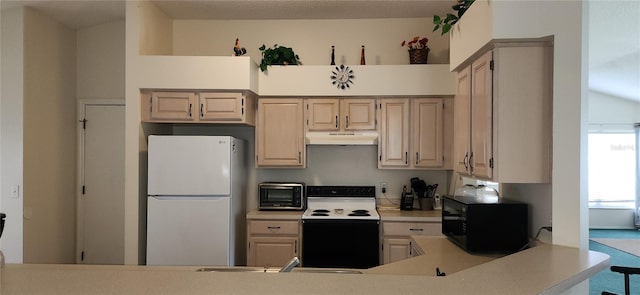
(273, 227)
(411, 228)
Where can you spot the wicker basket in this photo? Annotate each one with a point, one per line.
(418, 56)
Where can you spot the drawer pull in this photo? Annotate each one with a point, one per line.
(416, 229)
(273, 227)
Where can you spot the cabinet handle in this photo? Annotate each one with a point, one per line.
(347, 117)
(406, 157)
(416, 229)
(190, 110)
(471, 161)
(337, 122)
(273, 227)
(202, 110)
(410, 249)
(466, 158)
(417, 158)
(299, 157)
(295, 246)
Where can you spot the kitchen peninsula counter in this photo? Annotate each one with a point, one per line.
(395, 214)
(546, 269)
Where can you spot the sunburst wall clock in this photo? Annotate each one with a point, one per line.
(342, 76)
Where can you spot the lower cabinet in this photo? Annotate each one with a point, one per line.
(272, 243)
(396, 238)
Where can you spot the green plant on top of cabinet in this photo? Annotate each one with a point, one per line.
(412, 133)
(280, 133)
(272, 243)
(503, 114)
(340, 114)
(198, 107)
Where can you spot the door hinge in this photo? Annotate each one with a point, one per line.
(150, 105)
(84, 123)
(82, 256)
(380, 157)
(491, 65)
(83, 189)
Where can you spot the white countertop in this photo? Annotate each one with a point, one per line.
(386, 214)
(547, 269)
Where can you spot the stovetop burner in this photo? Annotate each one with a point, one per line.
(341, 202)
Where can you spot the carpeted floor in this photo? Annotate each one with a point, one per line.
(607, 280)
(631, 246)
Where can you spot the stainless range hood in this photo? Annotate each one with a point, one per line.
(342, 138)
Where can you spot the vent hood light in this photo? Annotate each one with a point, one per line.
(342, 138)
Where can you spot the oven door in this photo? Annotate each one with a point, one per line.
(340, 243)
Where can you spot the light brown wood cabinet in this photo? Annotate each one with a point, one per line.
(280, 133)
(396, 238)
(412, 133)
(198, 107)
(503, 114)
(340, 114)
(393, 140)
(171, 106)
(272, 243)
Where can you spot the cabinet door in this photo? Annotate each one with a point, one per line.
(427, 119)
(280, 138)
(461, 123)
(221, 106)
(271, 251)
(395, 249)
(481, 117)
(394, 133)
(358, 114)
(173, 106)
(323, 114)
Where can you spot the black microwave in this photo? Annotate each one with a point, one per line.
(281, 196)
(485, 224)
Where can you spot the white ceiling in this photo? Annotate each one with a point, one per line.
(614, 25)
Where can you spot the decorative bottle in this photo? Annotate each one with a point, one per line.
(333, 55)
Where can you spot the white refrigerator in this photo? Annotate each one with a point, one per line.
(195, 206)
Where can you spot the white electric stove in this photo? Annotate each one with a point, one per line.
(340, 228)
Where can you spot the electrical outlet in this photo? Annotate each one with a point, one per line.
(383, 187)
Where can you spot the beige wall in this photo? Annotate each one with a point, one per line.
(312, 39)
(11, 132)
(100, 61)
(49, 140)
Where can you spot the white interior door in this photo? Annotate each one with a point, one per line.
(101, 182)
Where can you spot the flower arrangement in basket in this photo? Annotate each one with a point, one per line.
(418, 50)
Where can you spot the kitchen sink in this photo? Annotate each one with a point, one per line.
(275, 270)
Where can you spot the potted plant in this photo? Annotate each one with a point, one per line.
(448, 21)
(278, 55)
(418, 50)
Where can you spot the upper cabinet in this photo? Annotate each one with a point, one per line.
(412, 133)
(169, 106)
(393, 143)
(198, 107)
(503, 114)
(280, 133)
(334, 114)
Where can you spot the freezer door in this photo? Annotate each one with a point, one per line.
(189, 165)
(188, 231)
